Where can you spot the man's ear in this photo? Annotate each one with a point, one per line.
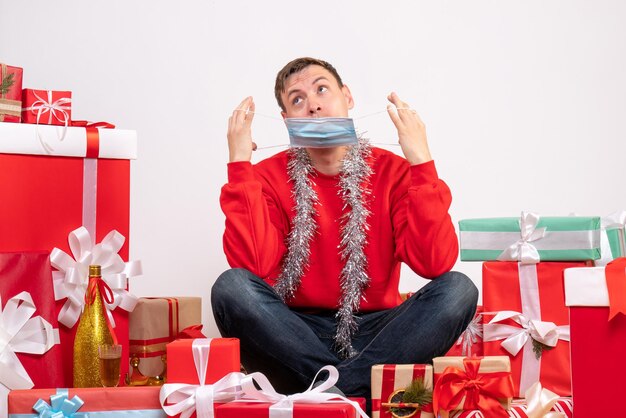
(283, 114)
(348, 95)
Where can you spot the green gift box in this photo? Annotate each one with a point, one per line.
(530, 239)
(613, 238)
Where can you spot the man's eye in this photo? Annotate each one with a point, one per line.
(296, 100)
(322, 89)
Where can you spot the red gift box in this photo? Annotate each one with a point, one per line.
(598, 343)
(536, 292)
(300, 410)
(45, 197)
(28, 272)
(470, 342)
(46, 107)
(388, 379)
(223, 358)
(10, 93)
(123, 401)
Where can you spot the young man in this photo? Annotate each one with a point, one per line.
(316, 237)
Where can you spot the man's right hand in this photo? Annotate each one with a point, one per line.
(240, 145)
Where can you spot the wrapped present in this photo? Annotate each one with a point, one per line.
(469, 383)
(613, 238)
(531, 325)
(46, 107)
(597, 301)
(530, 239)
(222, 355)
(10, 93)
(470, 342)
(29, 354)
(391, 381)
(48, 195)
(157, 321)
(93, 402)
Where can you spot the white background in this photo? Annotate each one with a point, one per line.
(524, 101)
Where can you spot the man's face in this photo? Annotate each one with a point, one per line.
(315, 93)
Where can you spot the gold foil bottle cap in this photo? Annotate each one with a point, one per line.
(94, 271)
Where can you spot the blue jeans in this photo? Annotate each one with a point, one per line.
(289, 347)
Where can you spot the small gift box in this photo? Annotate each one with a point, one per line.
(394, 385)
(613, 238)
(532, 323)
(94, 402)
(597, 302)
(463, 383)
(222, 358)
(10, 93)
(470, 342)
(530, 239)
(29, 352)
(46, 107)
(157, 321)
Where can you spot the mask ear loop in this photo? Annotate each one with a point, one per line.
(394, 144)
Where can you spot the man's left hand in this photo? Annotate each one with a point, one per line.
(411, 131)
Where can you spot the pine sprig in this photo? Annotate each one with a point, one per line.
(417, 392)
(539, 348)
(6, 84)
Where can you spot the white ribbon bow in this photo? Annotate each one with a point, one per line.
(522, 250)
(20, 332)
(187, 398)
(515, 338)
(56, 109)
(540, 401)
(470, 336)
(72, 279)
(283, 404)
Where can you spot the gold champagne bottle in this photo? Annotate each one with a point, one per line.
(93, 330)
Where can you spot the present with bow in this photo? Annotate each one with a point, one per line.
(530, 239)
(466, 383)
(526, 318)
(156, 322)
(140, 402)
(10, 93)
(597, 301)
(84, 181)
(470, 342)
(46, 107)
(395, 385)
(29, 352)
(613, 238)
(264, 401)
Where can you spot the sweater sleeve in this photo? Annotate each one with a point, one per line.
(425, 237)
(255, 232)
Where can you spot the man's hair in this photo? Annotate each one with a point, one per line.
(296, 66)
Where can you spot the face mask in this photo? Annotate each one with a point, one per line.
(321, 132)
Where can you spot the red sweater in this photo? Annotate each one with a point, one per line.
(409, 223)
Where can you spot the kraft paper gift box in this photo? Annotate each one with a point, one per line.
(156, 322)
(470, 342)
(49, 191)
(529, 300)
(491, 384)
(613, 238)
(29, 354)
(563, 406)
(47, 107)
(389, 382)
(595, 297)
(530, 238)
(140, 402)
(10, 93)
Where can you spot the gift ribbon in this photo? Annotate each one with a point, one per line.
(539, 402)
(523, 250)
(615, 221)
(531, 326)
(480, 390)
(186, 398)
(615, 273)
(92, 135)
(8, 107)
(282, 405)
(57, 110)
(72, 278)
(60, 406)
(21, 332)
(472, 334)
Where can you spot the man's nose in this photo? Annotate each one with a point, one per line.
(314, 109)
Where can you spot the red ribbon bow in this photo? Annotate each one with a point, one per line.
(191, 332)
(481, 390)
(615, 273)
(96, 283)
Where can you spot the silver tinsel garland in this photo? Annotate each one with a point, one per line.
(353, 190)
